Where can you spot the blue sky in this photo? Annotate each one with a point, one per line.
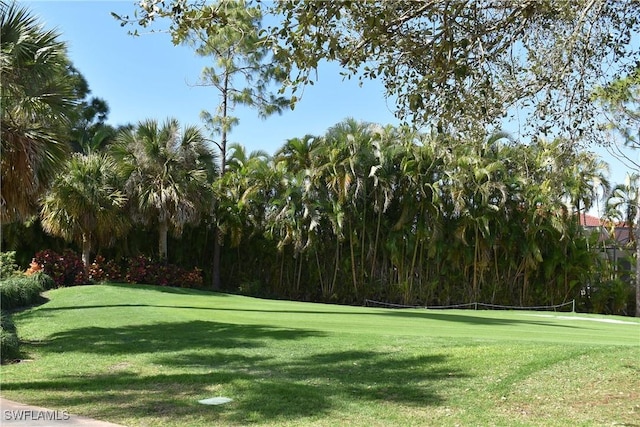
(148, 77)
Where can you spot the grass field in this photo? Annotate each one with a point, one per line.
(144, 356)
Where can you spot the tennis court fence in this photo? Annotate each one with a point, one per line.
(477, 306)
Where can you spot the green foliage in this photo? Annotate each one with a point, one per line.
(444, 64)
(65, 269)
(243, 70)
(167, 172)
(8, 266)
(387, 214)
(9, 342)
(454, 63)
(620, 100)
(621, 103)
(44, 280)
(391, 214)
(6, 322)
(613, 296)
(20, 291)
(85, 203)
(38, 98)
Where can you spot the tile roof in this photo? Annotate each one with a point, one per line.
(587, 220)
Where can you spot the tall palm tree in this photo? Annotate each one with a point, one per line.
(296, 153)
(238, 205)
(586, 180)
(167, 169)
(622, 203)
(37, 99)
(238, 158)
(84, 203)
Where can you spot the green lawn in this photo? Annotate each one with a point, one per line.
(143, 356)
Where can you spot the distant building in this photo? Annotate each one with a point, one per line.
(615, 240)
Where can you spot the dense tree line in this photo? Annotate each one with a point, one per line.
(387, 213)
(363, 211)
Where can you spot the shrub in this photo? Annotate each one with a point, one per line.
(8, 266)
(34, 268)
(143, 269)
(9, 343)
(20, 291)
(105, 271)
(65, 269)
(140, 270)
(253, 288)
(45, 281)
(610, 297)
(193, 278)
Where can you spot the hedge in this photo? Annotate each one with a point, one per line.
(22, 291)
(9, 343)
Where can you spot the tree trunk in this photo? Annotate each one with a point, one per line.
(163, 230)
(353, 262)
(298, 294)
(336, 265)
(86, 251)
(216, 282)
(375, 249)
(363, 262)
(323, 289)
(637, 236)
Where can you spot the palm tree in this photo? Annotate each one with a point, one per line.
(585, 179)
(343, 164)
(84, 203)
(238, 158)
(37, 99)
(296, 153)
(96, 141)
(167, 170)
(622, 203)
(238, 205)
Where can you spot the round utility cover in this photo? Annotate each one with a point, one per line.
(215, 401)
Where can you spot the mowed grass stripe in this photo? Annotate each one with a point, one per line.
(143, 355)
(155, 304)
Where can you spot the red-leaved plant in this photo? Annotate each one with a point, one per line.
(65, 269)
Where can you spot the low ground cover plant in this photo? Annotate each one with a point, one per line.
(17, 291)
(67, 269)
(22, 291)
(9, 342)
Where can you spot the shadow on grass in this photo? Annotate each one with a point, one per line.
(168, 289)
(471, 319)
(168, 337)
(269, 380)
(427, 315)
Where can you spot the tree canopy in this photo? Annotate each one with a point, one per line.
(37, 98)
(457, 63)
(167, 170)
(85, 203)
(45, 109)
